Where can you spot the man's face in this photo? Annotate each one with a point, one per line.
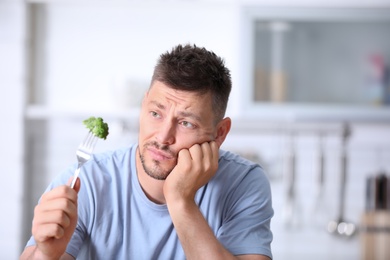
(170, 121)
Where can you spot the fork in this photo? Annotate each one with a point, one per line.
(83, 153)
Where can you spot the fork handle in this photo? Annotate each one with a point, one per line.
(75, 176)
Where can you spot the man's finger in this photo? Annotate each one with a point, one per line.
(215, 149)
(184, 155)
(206, 151)
(48, 231)
(196, 153)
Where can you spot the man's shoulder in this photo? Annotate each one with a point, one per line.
(235, 167)
(235, 160)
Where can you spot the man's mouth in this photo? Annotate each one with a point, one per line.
(159, 154)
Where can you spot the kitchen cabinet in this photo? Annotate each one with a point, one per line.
(316, 63)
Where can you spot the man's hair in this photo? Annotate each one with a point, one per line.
(195, 69)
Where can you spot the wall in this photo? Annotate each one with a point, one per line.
(12, 81)
(105, 42)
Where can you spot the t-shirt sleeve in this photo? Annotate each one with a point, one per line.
(246, 227)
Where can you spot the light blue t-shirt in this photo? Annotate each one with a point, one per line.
(117, 220)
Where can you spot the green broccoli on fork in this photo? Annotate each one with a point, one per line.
(97, 126)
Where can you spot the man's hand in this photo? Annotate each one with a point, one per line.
(195, 167)
(55, 219)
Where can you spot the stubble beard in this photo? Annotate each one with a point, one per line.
(155, 170)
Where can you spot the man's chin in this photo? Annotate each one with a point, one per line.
(157, 171)
(157, 175)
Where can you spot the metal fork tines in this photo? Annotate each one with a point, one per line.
(83, 154)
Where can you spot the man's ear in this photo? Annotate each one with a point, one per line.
(223, 129)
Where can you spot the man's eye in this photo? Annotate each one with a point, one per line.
(154, 114)
(187, 124)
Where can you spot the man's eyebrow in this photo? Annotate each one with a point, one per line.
(181, 113)
(190, 115)
(159, 105)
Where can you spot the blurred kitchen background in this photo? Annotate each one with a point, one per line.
(310, 102)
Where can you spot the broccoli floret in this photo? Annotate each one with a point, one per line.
(90, 123)
(97, 126)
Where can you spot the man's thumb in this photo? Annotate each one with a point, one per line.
(76, 185)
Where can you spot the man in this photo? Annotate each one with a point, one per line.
(175, 194)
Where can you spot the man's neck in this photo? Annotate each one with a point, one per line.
(152, 188)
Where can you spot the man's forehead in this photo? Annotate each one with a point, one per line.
(160, 91)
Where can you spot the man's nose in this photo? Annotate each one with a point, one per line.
(166, 132)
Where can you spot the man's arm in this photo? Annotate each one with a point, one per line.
(55, 219)
(196, 237)
(195, 168)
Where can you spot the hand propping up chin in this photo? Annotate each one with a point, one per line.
(195, 167)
